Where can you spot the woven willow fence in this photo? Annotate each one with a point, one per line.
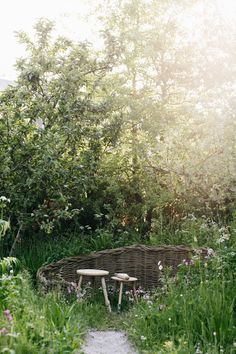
(138, 260)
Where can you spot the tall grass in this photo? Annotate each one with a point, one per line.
(196, 313)
(34, 323)
(36, 251)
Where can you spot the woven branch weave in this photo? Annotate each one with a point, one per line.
(138, 261)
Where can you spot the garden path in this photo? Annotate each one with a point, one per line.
(107, 342)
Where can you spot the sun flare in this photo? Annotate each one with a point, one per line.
(227, 9)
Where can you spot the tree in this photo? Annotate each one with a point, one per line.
(54, 125)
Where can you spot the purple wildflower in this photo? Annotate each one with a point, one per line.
(3, 330)
(7, 315)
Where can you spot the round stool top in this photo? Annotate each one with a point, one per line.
(92, 272)
(131, 279)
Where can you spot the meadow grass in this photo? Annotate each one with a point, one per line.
(32, 322)
(193, 313)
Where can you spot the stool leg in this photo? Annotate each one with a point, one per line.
(79, 285)
(120, 295)
(107, 302)
(134, 291)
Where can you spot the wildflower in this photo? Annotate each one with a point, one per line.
(188, 262)
(224, 237)
(214, 334)
(198, 350)
(146, 296)
(203, 227)
(192, 217)
(160, 267)
(168, 344)
(210, 252)
(143, 338)
(4, 199)
(162, 306)
(139, 291)
(234, 344)
(3, 330)
(8, 315)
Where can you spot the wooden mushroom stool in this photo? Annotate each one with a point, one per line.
(123, 281)
(95, 273)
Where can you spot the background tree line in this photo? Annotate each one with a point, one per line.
(132, 137)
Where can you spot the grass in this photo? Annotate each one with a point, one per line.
(44, 324)
(193, 313)
(36, 251)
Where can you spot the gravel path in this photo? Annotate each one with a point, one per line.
(107, 342)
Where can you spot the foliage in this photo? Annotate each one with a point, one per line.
(32, 323)
(54, 128)
(118, 139)
(194, 313)
(130, 143)
(34, 253)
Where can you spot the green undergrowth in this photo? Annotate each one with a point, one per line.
(193, 313)
(36, 323)
(36, 251)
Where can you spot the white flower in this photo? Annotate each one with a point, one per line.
(143, 338)
(4, 199)
(160, 267)
(210, 251)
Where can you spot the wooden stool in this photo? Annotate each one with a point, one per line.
(122, 282)
(95, 273)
